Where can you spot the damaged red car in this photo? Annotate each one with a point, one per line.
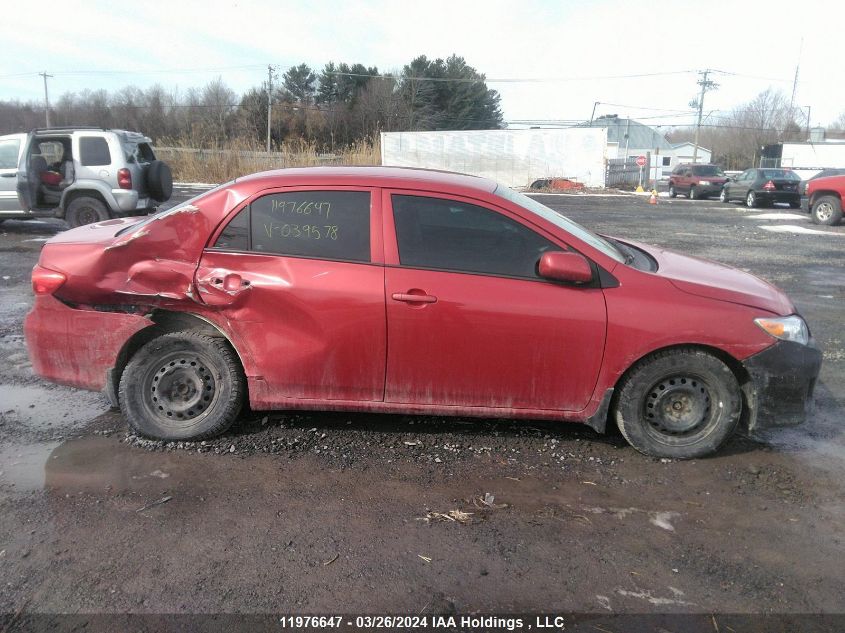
(399, 290)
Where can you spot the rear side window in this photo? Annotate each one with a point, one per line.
(333, 225)
(9, 153)
(94, 151)
(446, 234)
(138, 153)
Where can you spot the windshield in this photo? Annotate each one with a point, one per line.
(707, 170)
(529, 204)
(780, 173)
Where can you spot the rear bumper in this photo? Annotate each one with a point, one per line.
(782, 380)
(76, 347)
(779, 196)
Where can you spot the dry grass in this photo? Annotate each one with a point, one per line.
(221, 163)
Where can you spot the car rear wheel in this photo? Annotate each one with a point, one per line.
(672, 192)
(182, 386)
(678, 403)
(751, 200)
(692, 193)
(723, 195)
(827, 210)
(85, 210)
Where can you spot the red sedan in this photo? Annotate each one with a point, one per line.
(399, 290)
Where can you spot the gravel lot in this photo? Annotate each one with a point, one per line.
(328, 512)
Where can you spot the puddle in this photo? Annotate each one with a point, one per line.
(39, 408)
(23, 467)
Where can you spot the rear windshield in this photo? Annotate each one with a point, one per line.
(707, 170)
(784, 174)
(160, 213)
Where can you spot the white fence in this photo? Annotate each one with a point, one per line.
(515, 158)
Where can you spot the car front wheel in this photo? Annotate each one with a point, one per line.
(692, 194)
(827, 210)
(679, 404)
(672, 192)
(723, 195)
(182, 386)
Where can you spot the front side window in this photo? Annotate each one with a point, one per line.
(9, 153)
(333, 225)
(94, 151)
(441, 234)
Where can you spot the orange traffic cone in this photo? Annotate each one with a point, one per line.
(653, 199)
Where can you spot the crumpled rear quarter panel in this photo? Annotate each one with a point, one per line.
(76, 347)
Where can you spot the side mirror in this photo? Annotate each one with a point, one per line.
(562, 266)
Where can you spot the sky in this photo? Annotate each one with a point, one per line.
(548, 60)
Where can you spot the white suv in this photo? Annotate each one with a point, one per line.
(81, 174)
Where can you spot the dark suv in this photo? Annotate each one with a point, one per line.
(81, 174)
(696, 180)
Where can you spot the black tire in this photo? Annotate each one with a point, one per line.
(672, 192)
(182, 386)
(85, 210)
(723, 195)
(751, 200)
(159, 181)
(827, 210)
(680, 403)
(692, 192)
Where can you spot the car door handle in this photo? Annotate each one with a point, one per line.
(414, 296)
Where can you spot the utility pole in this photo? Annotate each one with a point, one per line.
(46, 98)
(593, 115)
(808, 122)
(269, 101)
(706, 85)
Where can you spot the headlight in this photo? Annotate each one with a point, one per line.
(791, 328)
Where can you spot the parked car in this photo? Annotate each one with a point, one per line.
(696, 180)
(410, 291)
(802, 188)
(763, 187)
(824, 199)
(81, 174)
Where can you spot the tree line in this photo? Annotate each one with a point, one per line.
(735, 138)
(333, 108)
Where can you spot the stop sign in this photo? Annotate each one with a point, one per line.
(641, 161)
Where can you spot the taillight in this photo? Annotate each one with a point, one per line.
(124, 178)
(769, 186)
(46, 281)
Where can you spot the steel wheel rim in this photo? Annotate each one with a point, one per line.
(88, 215)
(180, 389)
(678, 408)
(824, 211)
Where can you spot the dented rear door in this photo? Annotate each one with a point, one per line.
(298, 274)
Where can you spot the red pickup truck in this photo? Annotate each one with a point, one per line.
(824, 199)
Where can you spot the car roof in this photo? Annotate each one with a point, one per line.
(399, 177)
